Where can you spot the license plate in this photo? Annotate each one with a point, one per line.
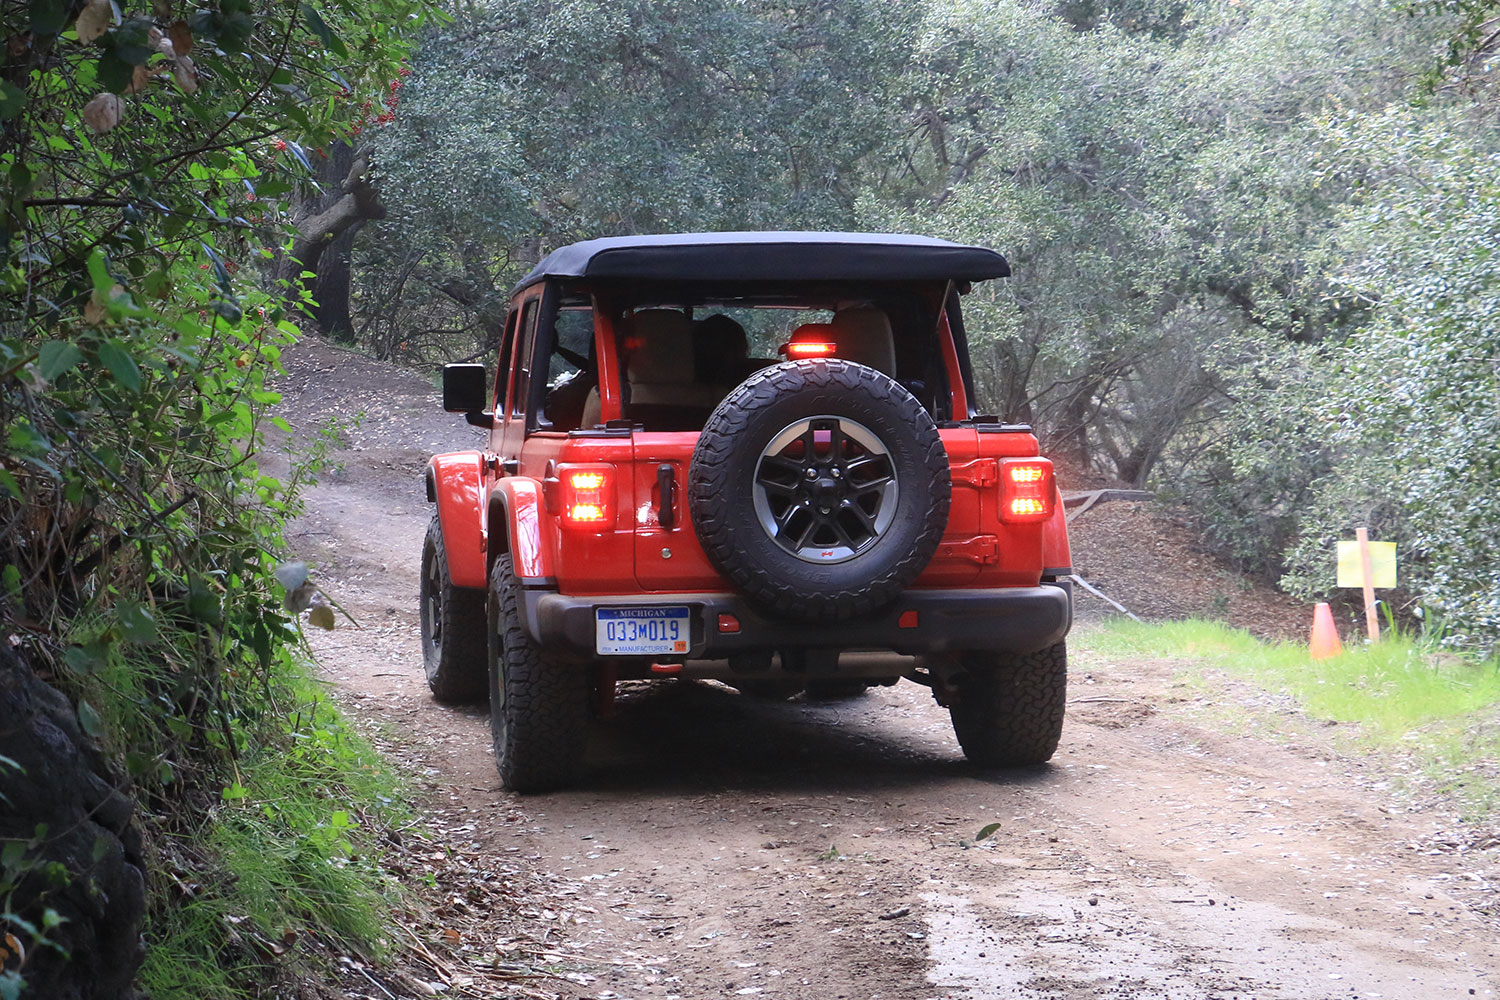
(639, 631)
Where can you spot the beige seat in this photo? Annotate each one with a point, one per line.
(659, 368)
(593, 409)
(863, 334)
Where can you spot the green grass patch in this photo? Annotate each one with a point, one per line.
(291, 854)
(264, 810)
(1395, 695)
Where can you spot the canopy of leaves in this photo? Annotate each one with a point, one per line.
(525, 126)
(1416, 402)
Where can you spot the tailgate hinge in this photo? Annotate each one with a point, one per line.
(980, 472)
(983, 549)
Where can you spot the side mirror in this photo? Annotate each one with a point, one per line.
(465, 390)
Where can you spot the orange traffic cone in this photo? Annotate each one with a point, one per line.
(1325, 637)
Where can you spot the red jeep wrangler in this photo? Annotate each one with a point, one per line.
(753, 457)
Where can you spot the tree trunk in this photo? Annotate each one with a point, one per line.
(331, 288)
(1073, 430)
(325, 238)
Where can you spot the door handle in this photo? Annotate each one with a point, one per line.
(666, 484)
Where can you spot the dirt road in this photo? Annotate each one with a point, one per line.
(724, 847)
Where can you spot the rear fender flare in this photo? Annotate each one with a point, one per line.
(516, 503)
(455, 482)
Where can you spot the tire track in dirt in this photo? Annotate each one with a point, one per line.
(723, 846)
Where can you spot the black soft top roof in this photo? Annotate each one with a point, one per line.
(770, 256)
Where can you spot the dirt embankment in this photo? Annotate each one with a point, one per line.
(727, 847)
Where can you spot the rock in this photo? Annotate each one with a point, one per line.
(63, 781)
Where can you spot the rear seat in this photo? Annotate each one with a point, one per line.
(660, 391)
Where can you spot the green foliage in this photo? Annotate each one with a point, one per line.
(549, 123)
(295, 870)
(1250, 490)
(1416, 409)
(1471, 41)
(525, 126)
(148, 156)
(1154, 192)
(28, 929)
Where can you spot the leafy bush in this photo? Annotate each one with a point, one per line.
(292, 845)
(148, 161)
(1415, 410)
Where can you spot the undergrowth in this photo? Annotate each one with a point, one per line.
(1401, 696)
(293, 851)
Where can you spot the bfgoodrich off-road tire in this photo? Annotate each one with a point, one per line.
(1009, 709)
(539, 704)
(820, 488)
(454, 644)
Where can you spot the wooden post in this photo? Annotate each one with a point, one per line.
(1372, 623)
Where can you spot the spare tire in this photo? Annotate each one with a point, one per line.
(820, 489)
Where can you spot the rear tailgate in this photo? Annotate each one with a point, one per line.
(667, 556)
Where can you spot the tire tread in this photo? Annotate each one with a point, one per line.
(538, 702)
(455, 664)
(1010, 707)
(719, 523)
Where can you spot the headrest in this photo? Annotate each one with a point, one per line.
(863, 334)
(660, 344)
(720, 348)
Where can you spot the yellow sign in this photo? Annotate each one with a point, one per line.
(1382, 565)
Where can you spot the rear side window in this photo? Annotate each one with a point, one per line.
(525, 338)
(573, 342)
(571, 369)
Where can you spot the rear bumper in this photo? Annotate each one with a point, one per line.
(1012, 619)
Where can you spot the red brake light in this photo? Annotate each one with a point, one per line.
(1027, 491)
(587, 495)
(811, 340)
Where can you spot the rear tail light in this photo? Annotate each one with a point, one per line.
(1027, 490)
(587, 494)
